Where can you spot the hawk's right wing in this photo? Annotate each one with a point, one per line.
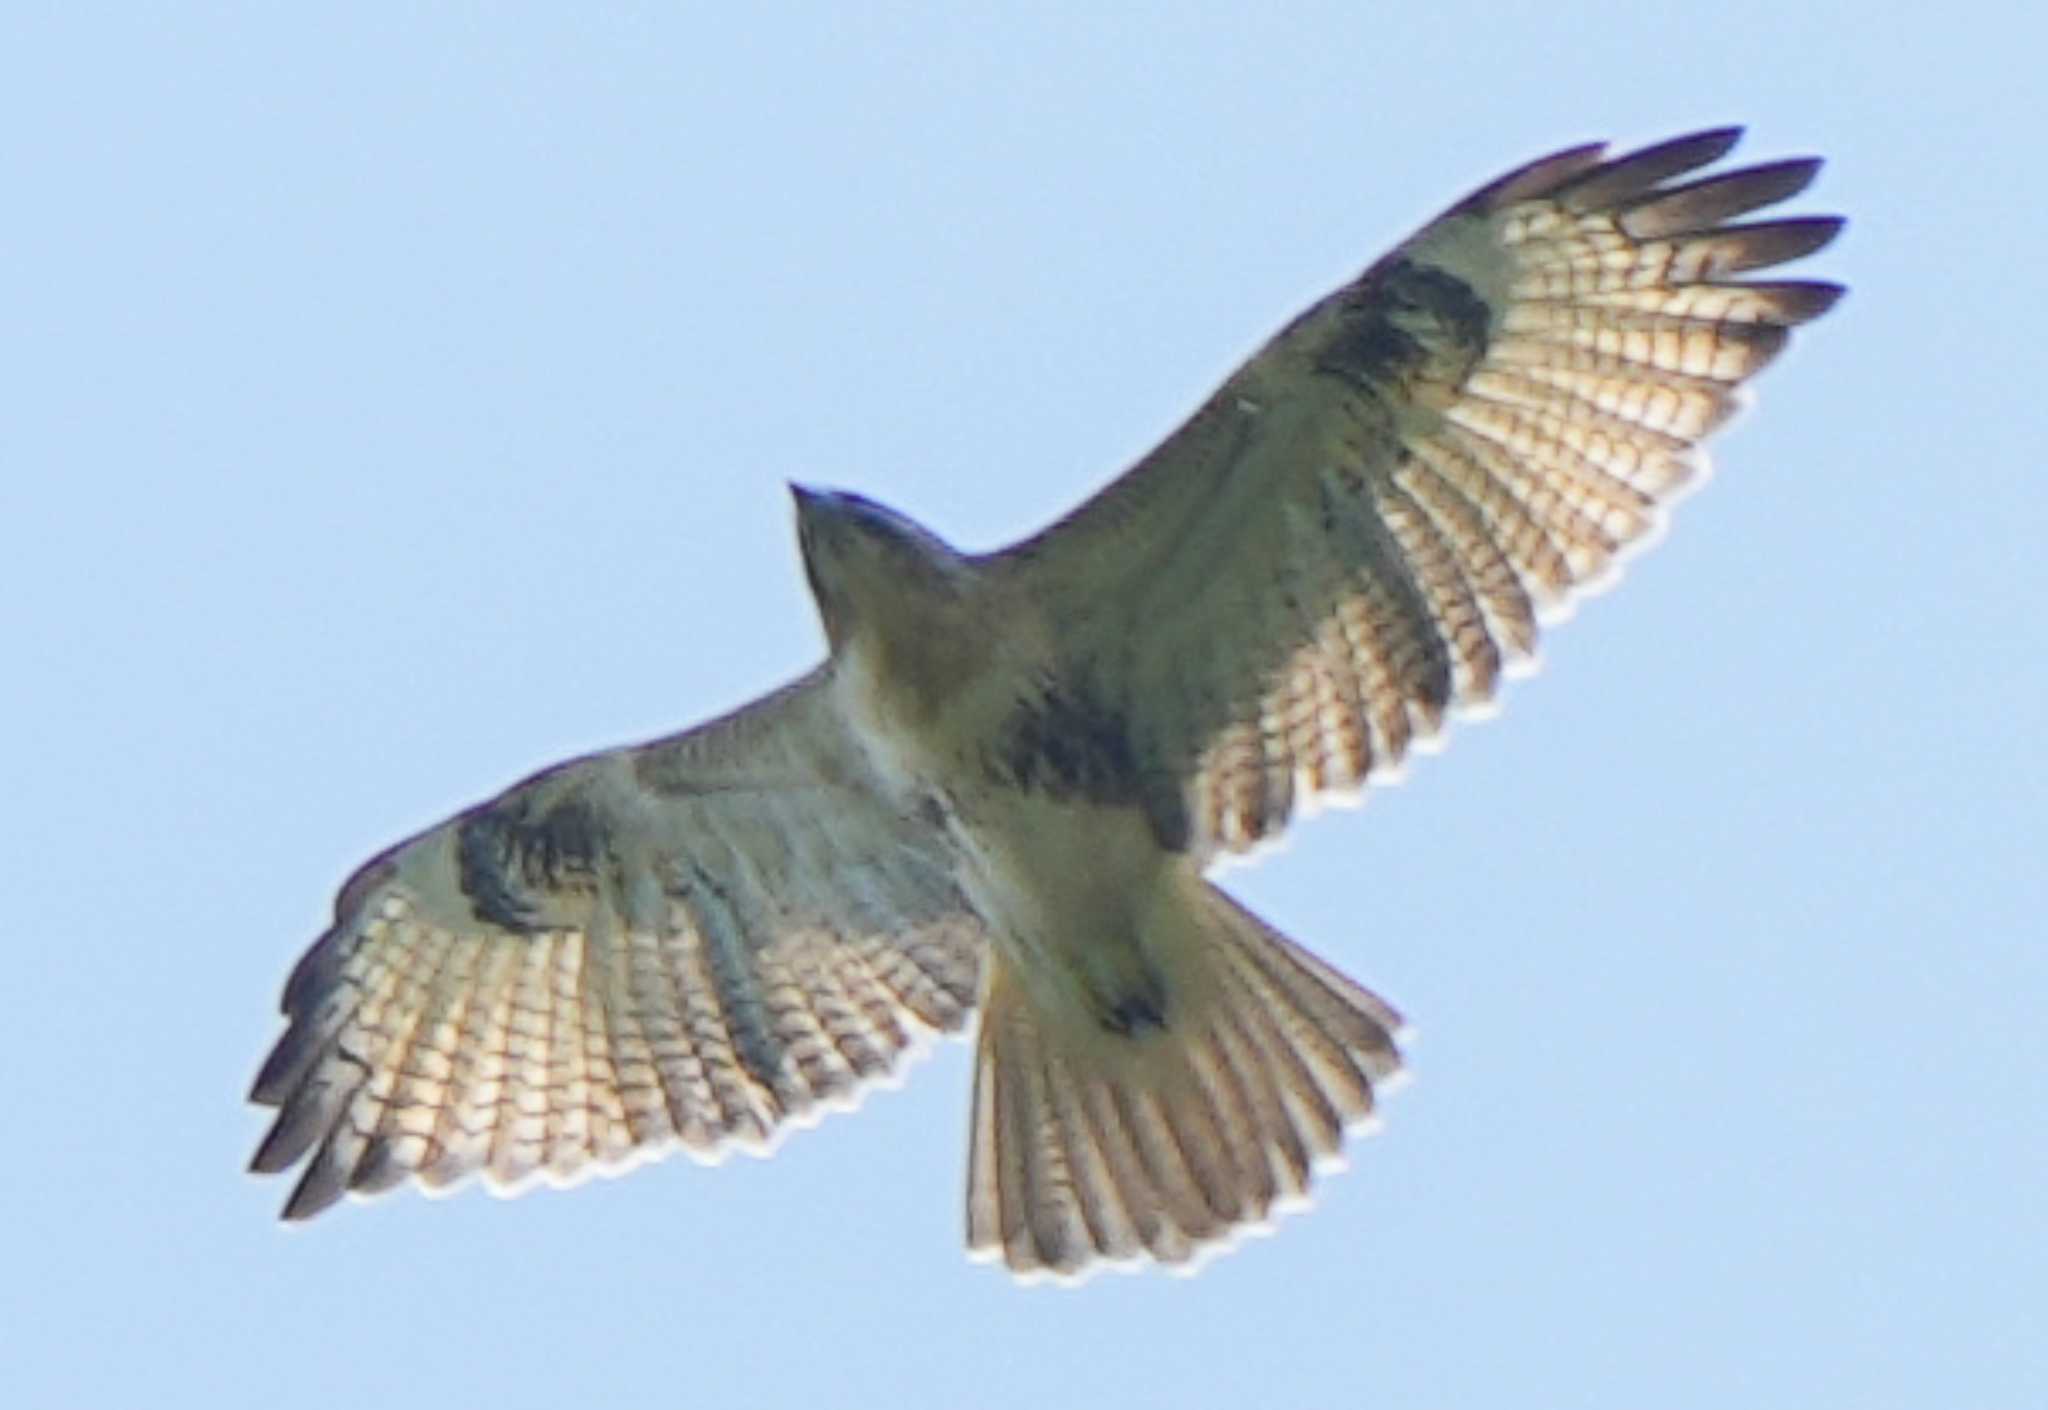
(682, 944)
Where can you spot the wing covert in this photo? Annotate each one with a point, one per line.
(1363, 528)
(685, 944)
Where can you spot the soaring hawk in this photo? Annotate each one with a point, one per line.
(1004, 784)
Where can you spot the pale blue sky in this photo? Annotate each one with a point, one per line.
(394, 405)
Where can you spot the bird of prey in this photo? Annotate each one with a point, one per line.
(1001, 790)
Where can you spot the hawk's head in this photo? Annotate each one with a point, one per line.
(870, 567)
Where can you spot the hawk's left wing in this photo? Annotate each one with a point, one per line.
(683, 944)
(1364, 525)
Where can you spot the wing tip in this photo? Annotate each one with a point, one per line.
(1644, 169)
(1534, 178)
(1817, 297)
(318, 1190)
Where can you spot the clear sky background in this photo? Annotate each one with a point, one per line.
(396, 402)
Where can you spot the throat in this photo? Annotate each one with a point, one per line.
(909, 695)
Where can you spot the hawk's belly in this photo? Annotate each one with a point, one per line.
(1077, 897)
(1039, 791)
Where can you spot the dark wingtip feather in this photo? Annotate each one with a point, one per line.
(1536, 178)
(282, 1069)
(320, 1187)
(1813, 298)
(314, 971)
(306, 1114)
(1786, 303)
(1635, 173)
(294, 1130)
(1698, 205)
(1771, 242)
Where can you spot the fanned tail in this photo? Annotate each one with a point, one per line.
(1163, 1140)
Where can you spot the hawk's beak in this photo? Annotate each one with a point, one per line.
(813, 503)
(810, 499)
(806, 505)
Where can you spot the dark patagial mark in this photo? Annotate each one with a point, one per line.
(508, 859)
(1061, 742)
(1406, 321)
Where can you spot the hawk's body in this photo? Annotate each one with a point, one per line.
(1005, 783)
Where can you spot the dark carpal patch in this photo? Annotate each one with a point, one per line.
(509, 858)
(1064, 744)
(1408, 321)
